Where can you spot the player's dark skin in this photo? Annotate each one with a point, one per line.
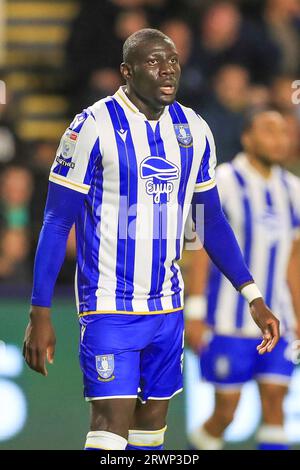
(152, 75)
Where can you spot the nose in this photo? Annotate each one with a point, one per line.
(166, 68)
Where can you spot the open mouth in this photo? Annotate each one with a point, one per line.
(167, 89)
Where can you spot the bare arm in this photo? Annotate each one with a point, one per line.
(197, 331)
(198, 273)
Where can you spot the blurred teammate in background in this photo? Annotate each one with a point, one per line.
(262, 203)
(126, 172)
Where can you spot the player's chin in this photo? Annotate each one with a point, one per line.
(277, 159)
(167, 99)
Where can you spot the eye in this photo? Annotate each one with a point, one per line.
(174, 60)
(152, 61)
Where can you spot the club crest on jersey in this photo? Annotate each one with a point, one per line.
(222, 367)
(183, 135)
(159, 173)
(271, 224)
(105, 365)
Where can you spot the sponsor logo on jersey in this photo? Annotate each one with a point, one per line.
(105, 365)
(123, 134)
(159, 173)
(67, 162)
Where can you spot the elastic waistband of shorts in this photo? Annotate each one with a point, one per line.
(123, 312)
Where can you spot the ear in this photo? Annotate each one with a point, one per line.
(126, 71)
(245, 139)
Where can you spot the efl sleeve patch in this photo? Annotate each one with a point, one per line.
(77, 155)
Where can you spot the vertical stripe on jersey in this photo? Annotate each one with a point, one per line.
(128, 200)
(86, 235)
(93, 160)
(94, 239)
(295, 222)
(186, 158)
(203, 173)
(247, 241)
(159, 243)
(272, 257)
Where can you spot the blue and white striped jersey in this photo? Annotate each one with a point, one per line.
(265, 216)
(139, 177)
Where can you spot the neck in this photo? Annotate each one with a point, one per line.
(276, 15)
(151, 113)
(262, 167)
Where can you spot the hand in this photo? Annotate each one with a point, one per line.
(268, 324)
(39, 341)
(197, 334)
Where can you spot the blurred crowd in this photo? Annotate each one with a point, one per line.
(235, 55)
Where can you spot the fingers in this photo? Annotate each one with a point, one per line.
(40, 362)
(50, 354)
(274, 326)
(262, 347)
(35, 358)
(270, 338)
(272, 344)
(194, 344)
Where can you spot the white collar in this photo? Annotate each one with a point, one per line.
(244, 164)
(121, 97)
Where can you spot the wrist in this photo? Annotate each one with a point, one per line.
(195, 307)
(251, 292)
(39, 312)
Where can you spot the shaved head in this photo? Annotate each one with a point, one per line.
(134, 42)
(151, 71)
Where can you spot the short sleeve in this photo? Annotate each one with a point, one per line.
(206, 174)
(225, 182)
(77, 154)
(292, 185)
(295, 207)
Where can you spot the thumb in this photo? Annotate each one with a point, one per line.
(50, 354)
